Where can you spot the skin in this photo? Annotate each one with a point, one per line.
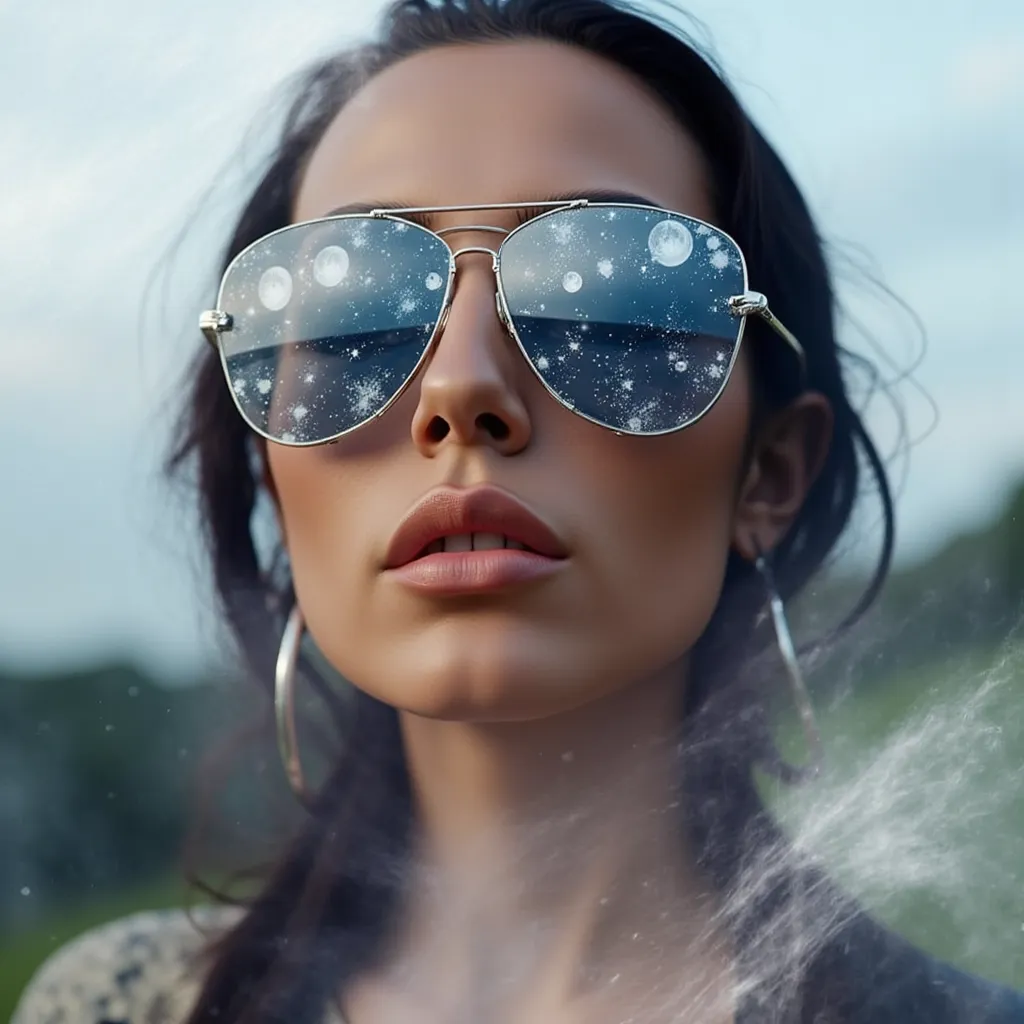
(552, 879)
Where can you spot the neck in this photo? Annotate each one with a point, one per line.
(552, 869)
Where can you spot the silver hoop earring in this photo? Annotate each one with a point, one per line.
(285, 672)
(802, 699)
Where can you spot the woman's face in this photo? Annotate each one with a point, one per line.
(647, 522)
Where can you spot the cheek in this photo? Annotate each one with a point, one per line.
(665, 506)
(322, 508)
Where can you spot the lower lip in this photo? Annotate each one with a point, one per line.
(475, 572)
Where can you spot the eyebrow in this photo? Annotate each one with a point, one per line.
(425, 219)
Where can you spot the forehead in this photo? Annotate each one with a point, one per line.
(502, 122)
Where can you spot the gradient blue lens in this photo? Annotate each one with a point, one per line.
(623, 312)
(330, 320)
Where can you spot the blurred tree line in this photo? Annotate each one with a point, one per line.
(101, 769)
(967, 595)
(104, 770)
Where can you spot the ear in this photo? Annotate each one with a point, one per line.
(787, 455)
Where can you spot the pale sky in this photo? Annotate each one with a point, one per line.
(901, 120)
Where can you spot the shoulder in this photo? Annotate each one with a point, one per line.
(878, 977)
(978, 998)
(143, 969)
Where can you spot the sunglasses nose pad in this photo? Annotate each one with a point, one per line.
(502, 319)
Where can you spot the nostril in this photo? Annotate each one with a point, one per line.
(437, 430)
(494, 425)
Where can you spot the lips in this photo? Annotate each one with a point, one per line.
(449, 512)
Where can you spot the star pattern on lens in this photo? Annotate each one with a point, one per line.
(658, 333)
(367, 395)
(330, 319)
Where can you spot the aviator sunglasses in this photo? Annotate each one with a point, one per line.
(630, 315)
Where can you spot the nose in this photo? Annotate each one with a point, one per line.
(471, 388)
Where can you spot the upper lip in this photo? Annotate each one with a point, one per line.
(449, 511)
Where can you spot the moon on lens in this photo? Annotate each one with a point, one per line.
(572, 282)
(670, 243)
(275, 288)
(331, 266)
(433, 281)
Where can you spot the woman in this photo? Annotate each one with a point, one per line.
(535, 497)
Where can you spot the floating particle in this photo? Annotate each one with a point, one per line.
(367, 395)
(670, 243)
(572, 282)
(561, 229)
(331, 266)
(275, 288)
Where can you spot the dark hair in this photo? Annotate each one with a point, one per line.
(329, 902)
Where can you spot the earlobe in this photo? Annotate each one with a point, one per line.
(786, 458)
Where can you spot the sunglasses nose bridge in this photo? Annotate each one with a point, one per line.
(494, 270)
(478, 248)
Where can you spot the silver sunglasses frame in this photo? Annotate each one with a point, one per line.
(215, 322)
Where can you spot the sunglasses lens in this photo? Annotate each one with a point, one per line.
(623, 312)
(330, 320)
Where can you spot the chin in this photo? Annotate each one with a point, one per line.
(509, 691)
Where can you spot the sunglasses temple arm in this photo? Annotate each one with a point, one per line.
(784, 332)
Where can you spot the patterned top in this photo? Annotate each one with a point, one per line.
(143, 969)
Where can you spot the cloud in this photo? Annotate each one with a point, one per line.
(935, 204)
(988, 74)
